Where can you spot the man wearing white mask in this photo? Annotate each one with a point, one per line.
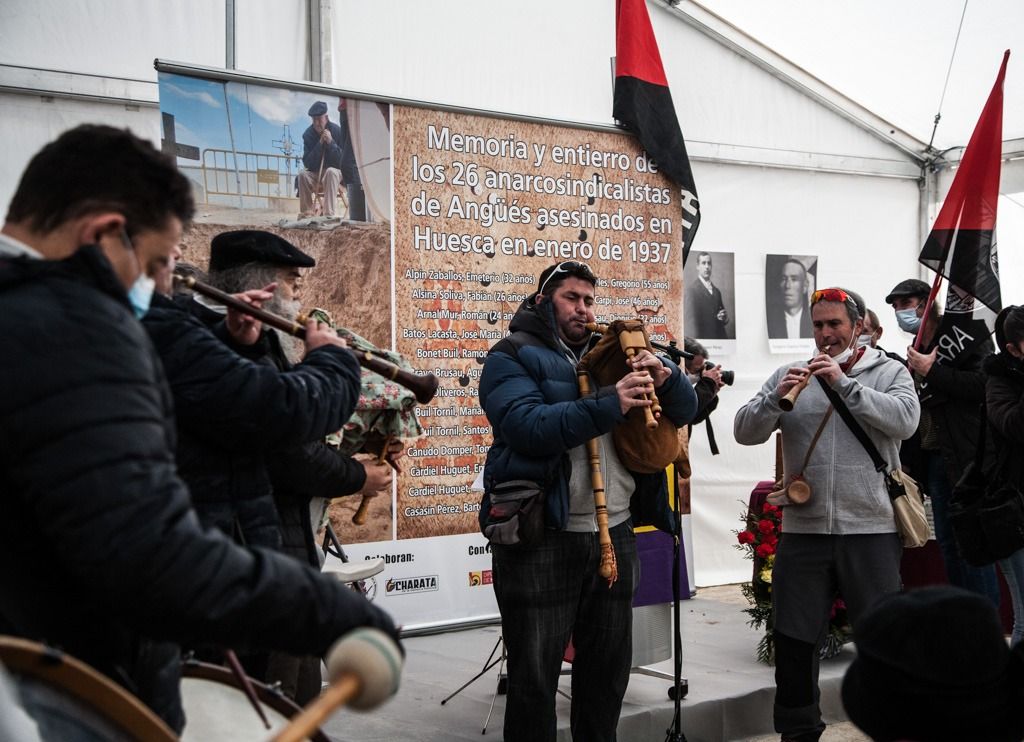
(843, 538)
(951, 396)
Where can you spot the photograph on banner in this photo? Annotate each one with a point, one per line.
(242, 147)
(789, 281)
(482, 206)
(281, 157)
(710, 315)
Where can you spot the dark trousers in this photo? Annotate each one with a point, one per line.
(547, 594)
(809, 569)
(980, 580)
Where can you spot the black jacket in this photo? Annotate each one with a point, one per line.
(953, 396)
(1004, 393)
(233, 411)
(99, 545)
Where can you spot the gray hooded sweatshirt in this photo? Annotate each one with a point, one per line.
(847, 495)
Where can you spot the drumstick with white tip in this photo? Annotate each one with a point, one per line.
(364, 666)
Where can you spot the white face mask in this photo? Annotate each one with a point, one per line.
(863, 341)
(844, 356)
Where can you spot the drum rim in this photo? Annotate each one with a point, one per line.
(272, 697)
(85, 684)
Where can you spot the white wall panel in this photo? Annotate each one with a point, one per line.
(119, 38)
(271, 37)
(29, 122)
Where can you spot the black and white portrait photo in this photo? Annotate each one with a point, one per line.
(710, 305)
(789, 282)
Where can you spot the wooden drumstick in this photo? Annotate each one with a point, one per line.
(359, 517)
(609, 568)
(247, 689)
(365, 667)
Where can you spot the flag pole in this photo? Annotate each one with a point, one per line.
(927, 311)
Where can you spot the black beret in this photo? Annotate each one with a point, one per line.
(910, 287)
(231, 249)
(933, 664)
(318, 109)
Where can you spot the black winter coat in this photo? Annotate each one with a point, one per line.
(953, 396)
(99, 545)
(232, 412)
(1004, 395)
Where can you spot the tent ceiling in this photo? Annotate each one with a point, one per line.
(892, 57)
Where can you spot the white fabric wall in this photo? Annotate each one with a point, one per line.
(553, 60)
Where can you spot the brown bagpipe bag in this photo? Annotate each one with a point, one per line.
(642, 448)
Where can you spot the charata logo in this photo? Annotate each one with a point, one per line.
(407, 585)
(483, 577)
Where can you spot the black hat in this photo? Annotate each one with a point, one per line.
(932, 664)
(910, 287)
(231, 249)
(318, 109)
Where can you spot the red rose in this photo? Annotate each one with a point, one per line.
(765, 550)
(745, 537)
(770, 509)
(766, 526)
(770, 538)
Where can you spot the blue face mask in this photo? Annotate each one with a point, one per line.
(141, 294)
(908, 320)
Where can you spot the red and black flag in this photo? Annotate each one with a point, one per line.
(962, 244)
(643, 105)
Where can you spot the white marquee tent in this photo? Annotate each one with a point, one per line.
(784, 163)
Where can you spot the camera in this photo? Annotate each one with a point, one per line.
(728, 377)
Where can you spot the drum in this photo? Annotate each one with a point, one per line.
(216, 707)
(70, 700)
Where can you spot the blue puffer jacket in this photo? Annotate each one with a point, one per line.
(529, 393)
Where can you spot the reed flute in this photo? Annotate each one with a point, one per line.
(422, 386)
(787, 402)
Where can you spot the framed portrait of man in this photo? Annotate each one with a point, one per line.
(710, 300)
(789, 281)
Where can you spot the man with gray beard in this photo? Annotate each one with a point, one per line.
(241, 262)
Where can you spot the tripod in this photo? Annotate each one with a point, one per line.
(488, 664)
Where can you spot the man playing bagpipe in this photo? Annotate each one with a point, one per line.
(546, 549)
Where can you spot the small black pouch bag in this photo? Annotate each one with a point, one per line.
(516, 516)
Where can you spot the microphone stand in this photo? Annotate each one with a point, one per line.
(675, 732)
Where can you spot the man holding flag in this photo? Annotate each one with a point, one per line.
(947, 353)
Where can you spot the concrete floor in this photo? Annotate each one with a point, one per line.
(730, 693)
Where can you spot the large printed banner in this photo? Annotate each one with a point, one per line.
(427, 242)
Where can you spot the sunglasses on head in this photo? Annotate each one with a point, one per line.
(572, 268)
(831, 295)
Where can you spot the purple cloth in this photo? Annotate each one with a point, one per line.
(654, 549)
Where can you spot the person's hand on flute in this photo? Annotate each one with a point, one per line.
(825, 366)
(633, 388)
(318, 334)
(644, 360)
(795, 376)
(243, 328)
